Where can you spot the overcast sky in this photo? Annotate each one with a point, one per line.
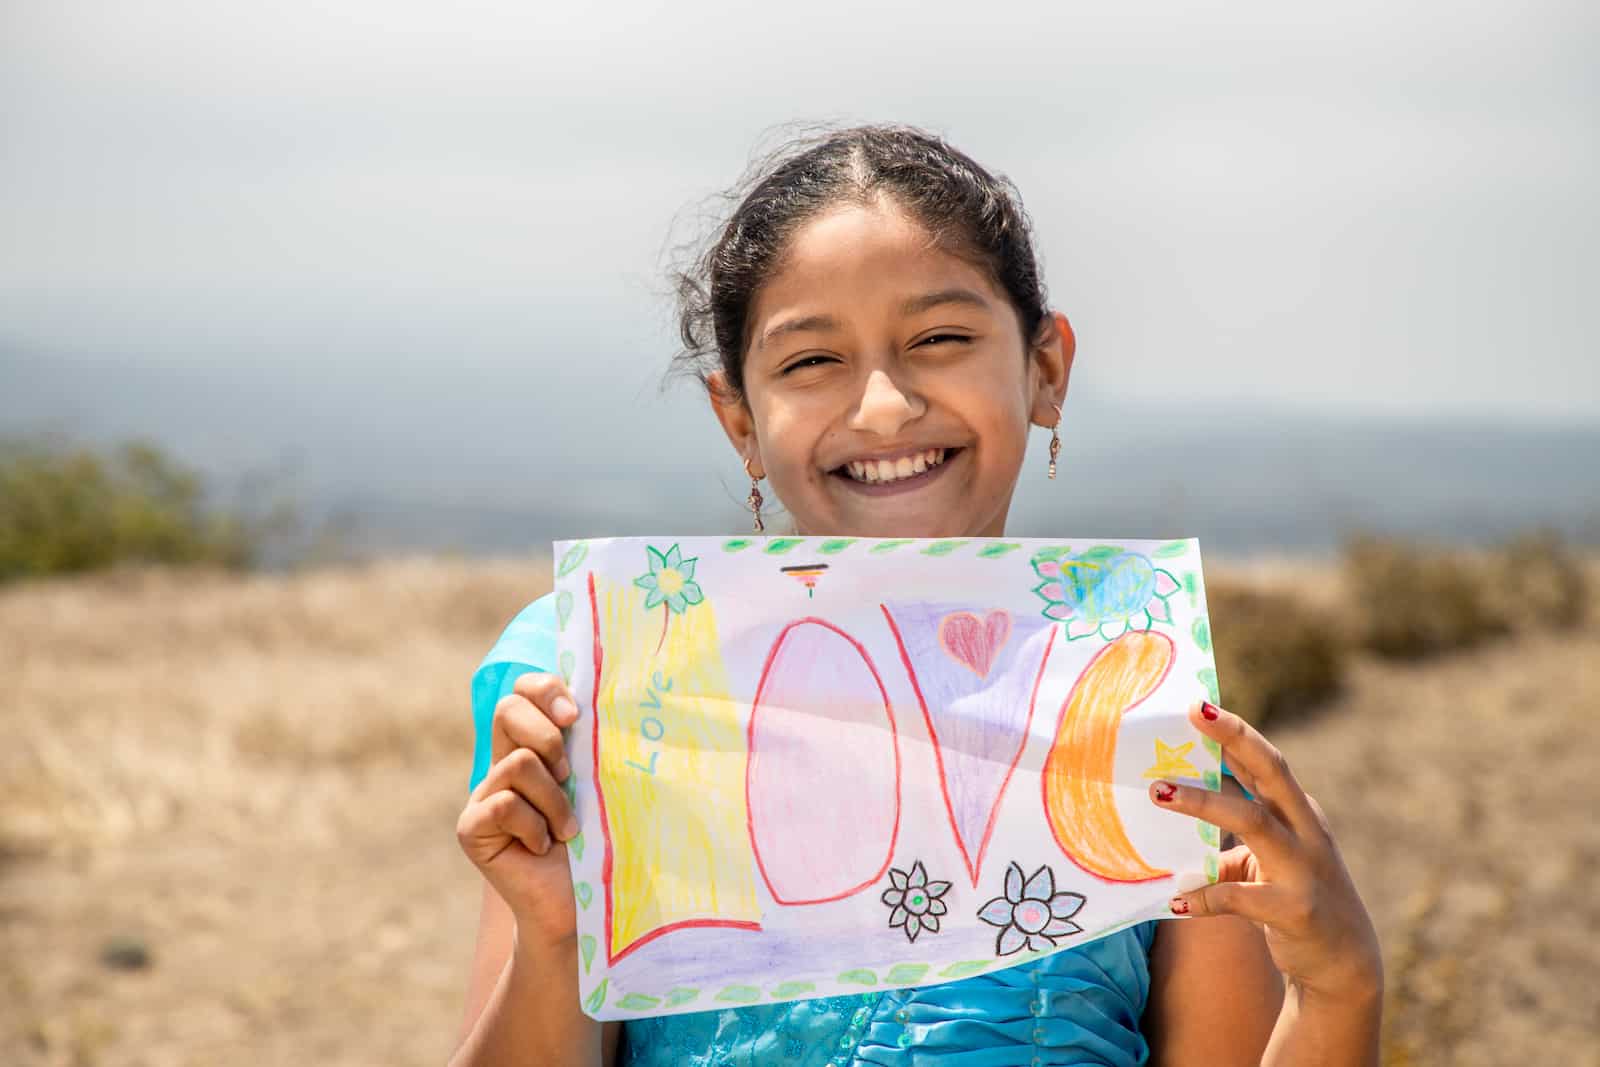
(1340, 208)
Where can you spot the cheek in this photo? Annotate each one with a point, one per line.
(1001, 419)
(1001, 457)
(786, 444)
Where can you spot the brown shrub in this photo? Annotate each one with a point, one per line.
(1536, 581)
(1409, 600)
(1276, 654)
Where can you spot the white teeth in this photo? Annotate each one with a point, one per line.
(877, 471)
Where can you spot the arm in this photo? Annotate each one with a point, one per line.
(521, 1001)
(522, 995)
(1314, 1030)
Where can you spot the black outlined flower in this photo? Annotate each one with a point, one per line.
(915, 901)
(1032, 914)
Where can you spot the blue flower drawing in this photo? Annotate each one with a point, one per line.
(1104, 592)
(915, 901)
(1032, 914)
(670, 580)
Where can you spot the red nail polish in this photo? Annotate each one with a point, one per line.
(1208, 710)
(1179, 906)
(1165, 791)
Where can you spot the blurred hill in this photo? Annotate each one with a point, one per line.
(431, 458)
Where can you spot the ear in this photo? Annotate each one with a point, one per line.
(1052, 367)
(733, 412)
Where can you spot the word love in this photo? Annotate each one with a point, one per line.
(651, 728)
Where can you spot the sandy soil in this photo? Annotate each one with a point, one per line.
(227, 809)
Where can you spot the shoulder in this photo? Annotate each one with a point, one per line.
(527, 643)
(536, 613)
(531, 632)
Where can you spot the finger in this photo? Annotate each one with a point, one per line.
(1320, 815)
(1239, 778)
(1231, 786)
(1237, 864)
(1268, 770)
(1260, 902)
(524, 772)
(1268, 838)
(516, 817)
(488, 827)
(549, 694)
(518, 723)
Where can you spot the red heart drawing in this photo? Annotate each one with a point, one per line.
(973, 642)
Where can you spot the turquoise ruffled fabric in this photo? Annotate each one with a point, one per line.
(1078, 1006)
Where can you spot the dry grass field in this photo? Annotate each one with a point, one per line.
(227, 808)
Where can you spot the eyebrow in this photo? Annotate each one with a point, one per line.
(910, 307)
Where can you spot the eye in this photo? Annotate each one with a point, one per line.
(809, 361)
(934, 339)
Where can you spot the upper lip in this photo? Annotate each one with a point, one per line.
(891, 455)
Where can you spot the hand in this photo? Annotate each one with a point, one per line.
(517, 821)
(1288, 877)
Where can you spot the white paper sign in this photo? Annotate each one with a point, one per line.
(809, 766)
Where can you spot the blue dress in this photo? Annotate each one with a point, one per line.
(1079, 1006)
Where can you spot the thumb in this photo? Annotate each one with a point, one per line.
(1235, 892)
(1257, 901)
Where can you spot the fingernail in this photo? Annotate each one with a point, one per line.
(1165, 791)
(563, 768)
(1179, 906)
(1208, 711)
(564, 710)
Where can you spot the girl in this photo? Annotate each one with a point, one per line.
(873, 334)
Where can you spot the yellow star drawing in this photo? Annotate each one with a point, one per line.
(1170, 762)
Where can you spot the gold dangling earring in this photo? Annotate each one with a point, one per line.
(1055, 441)
(754, 501)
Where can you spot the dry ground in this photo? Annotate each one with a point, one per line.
(254, 781)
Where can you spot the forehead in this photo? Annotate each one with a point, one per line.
(867, 258)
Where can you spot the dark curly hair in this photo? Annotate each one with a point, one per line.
(967, 212)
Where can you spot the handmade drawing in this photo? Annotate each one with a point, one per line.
(806, 574)
(1172, 761)
(976, 686)
(1078, 775)
(1031, 914)
(775, 791)
(1104, 591)
(671, 583)
(663, 721)
(915, 903)
(824, 807)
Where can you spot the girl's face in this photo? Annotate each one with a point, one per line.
(888, 389)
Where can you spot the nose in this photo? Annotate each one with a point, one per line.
(885, 407)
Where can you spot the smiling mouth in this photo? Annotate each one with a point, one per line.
(886, 472)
